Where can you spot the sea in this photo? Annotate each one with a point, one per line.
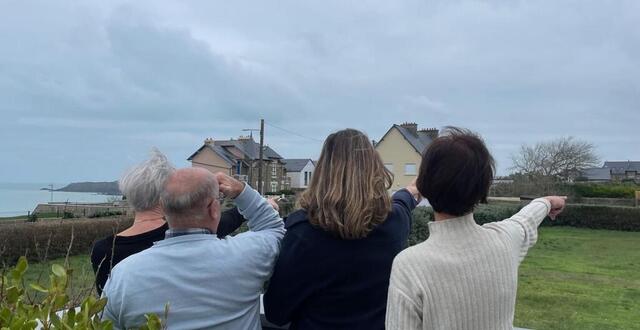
(21, 198)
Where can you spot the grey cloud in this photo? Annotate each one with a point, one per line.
(125, 76)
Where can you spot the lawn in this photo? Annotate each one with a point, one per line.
(572, 279)
(580, 279)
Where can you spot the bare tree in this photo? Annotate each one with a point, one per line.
(562, 158)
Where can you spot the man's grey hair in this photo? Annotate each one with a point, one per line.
(187, 202)
(143, 184)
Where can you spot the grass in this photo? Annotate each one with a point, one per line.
(580, 279)
(572, 279)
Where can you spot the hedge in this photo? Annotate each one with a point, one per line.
(575, 215)
(621, 190)
(45, 240)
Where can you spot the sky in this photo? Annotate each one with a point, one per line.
(87, 88)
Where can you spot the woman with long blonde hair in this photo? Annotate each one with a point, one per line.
(335, 261)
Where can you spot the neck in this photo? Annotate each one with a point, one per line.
(192, 224)
(147, 215)
(445, 216)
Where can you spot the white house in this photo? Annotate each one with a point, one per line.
(299, 172)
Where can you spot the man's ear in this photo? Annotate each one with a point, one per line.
(214, 210)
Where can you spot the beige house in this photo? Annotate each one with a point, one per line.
(240, 158)
(401, 151)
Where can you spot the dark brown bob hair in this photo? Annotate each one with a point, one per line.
(456, 172)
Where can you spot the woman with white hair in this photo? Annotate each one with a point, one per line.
(142, 186)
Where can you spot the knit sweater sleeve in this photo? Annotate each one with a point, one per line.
(403, 303)
(523, 226)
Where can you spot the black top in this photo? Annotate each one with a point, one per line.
(124, 246)
(321, 281)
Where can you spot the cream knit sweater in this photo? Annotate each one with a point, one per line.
(464, 276)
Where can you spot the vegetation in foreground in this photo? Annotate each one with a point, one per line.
(573, 278)
(27, 304)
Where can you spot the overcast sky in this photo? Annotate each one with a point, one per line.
(88, 87)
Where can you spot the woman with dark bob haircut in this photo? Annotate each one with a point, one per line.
(464, 276)
(335, 261)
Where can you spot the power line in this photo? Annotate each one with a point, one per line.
(294, 133)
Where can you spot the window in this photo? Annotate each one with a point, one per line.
(274, 170)
(274, 186)
(410, 169)
(389, 166)
(306, 178)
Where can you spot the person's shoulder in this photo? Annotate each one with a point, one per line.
(414, 254)
(102, 247)
(297, 220)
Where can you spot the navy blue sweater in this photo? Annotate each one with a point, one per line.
(321, 281)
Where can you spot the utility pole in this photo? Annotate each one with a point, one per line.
(260, 184)
(250, 175)
(51, 190)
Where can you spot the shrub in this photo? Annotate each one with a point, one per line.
(598, 217)
(625, 190)
(105, 214)
(40, 241)
(50, 309)
(287, 192)
(574, 215)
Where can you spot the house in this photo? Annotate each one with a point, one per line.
(595, 174)
(299, 172)
(401, 150)
(624, 170)
(613, 171)
(240, 158)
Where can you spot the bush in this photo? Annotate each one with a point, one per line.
(105, 214)
(49, 306)
(41, 241)
(625, 190)
(575, 215)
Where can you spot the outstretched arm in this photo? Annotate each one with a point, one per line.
(524, 225)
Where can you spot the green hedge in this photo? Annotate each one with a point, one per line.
(575, 215)
(622, 190)
(46, 240)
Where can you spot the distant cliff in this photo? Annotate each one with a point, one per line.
(107, 188)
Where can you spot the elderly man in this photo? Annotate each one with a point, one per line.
(206, 282)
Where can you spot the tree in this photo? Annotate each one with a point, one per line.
(563, 158)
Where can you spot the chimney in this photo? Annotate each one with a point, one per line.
(411, 127)
(208, 141)
(431, 132)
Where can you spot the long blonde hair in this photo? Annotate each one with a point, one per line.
(348, 194)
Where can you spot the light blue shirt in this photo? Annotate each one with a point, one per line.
(207, 282)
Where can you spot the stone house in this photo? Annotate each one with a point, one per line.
(240, 158)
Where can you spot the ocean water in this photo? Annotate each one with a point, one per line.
(21, 198)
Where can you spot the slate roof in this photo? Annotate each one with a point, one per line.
(597, 174)
(248, 147)
(419, 142)
(296, 165)
(224, 154)
(619, 167)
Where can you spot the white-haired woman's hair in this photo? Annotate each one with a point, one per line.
(142, 184)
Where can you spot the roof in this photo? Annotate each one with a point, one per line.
(224, 154)
(296, 165)
(249, 148)
(596, 174)
(620, 167)
(419, 142)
